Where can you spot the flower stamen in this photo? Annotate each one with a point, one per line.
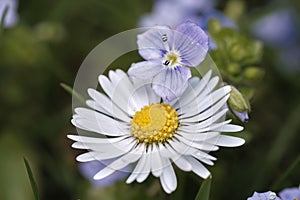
(171, 59)
(155, 123)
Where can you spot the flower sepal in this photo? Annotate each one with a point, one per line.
(239, 105)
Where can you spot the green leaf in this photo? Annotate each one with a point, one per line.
(32, 181)
(203, 193)
(72, 92)
(288, 172)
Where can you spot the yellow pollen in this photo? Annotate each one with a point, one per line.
(155, 123)
(171, 59)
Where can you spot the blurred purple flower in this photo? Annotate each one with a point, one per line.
(214, 14)
(173, 12)
(89, 169)
(11, 17)
(290, 194)
(168, 53)
(197, 11)
(277, 29)
(264, 196)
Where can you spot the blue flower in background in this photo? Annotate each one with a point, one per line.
(264, 196)
(198, 11)
(168, 55)
(290, 194)
(173, 12)
(203, 20)
(11, 17)
(278, 28)
(89, 169)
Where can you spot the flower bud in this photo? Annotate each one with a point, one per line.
(253, 73)
(239, 105)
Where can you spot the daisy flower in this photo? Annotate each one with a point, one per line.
(168, 54)
(133, 125)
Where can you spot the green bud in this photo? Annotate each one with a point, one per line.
(238, 52)
(257, 50)
(233, 68)
(253, 73)
(238, 104)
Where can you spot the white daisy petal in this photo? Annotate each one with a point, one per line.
(207, 122)
(181, 148)
(110, 129)
(103, 104)
(182, 164)
(229, 128)
(202, 145)
(123, 145)
(139, 98)
(196, 106)
(168, 178)
(206, 161)
(207, 113)
(165, 185)
(97, 122)
(120, 163)
(203, 155)
(146, 171)
(198, 168)
(106, 85)
(139, 168)
(193, 91)
(199, 136)
(194, 129)
(152, 96)
(156, 163)
(93, 155)
(177, 158)
(226, 141)
(86, 139)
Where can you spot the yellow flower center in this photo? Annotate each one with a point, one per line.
(171, 59)
(155, 123)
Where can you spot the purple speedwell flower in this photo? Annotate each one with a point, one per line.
(290, 194)
(89, 169)
(264, 196)
(168, 54)
(11, 17)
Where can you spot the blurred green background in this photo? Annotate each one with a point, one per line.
(47, 46)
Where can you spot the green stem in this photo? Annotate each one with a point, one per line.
(73, 92)
(293, 166)
(280, 146)
(31, 178)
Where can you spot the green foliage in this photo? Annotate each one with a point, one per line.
(32, 181)
(236, 55)
(238, 58)
(203, 193)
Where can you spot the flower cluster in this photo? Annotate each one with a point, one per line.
(157, 114)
